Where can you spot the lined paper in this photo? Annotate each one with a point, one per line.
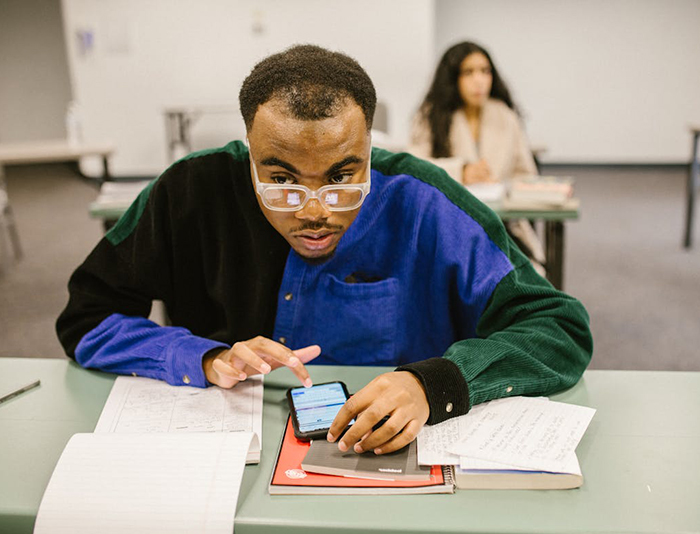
(115, 483)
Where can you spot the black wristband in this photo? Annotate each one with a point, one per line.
(445, 387)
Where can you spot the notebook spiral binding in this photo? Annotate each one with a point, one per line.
(448, 471)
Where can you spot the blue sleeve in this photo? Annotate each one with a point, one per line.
(134, 345)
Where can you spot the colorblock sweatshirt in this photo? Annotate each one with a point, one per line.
(425, 279)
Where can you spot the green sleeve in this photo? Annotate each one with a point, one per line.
(532, 340)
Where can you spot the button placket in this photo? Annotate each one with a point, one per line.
(288, 299)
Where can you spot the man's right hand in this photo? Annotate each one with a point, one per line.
(228, 367)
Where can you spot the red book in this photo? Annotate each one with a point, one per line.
(289, 478)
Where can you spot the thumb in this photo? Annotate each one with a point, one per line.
(225, 374)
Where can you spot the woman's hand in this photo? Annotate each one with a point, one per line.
(228, 367)
(474, 173)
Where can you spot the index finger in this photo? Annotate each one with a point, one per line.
(349, 411)
(287, 357)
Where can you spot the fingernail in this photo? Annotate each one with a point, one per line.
(293, 361)
(242, 376)
(330, 437)
(265, 368)
(377, 451)
(342, 446)
(308, 383)
(357, 448)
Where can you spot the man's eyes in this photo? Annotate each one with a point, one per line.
(283, 180)
(342, 178)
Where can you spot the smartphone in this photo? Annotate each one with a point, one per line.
(313, 409)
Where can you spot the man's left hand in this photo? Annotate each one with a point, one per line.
(399, 395)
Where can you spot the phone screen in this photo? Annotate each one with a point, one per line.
(317, 406)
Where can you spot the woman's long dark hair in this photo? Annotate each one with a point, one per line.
(443, 97)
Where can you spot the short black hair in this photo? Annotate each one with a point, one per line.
(313, 82)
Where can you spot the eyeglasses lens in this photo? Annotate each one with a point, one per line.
(293, 198)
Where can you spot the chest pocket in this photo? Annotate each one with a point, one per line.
(360, 321)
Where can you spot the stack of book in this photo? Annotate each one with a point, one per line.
(513, 443)
(319, 468)
(540, 192)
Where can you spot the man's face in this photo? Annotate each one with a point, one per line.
(286, 150)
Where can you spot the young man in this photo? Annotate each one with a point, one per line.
(309, 245)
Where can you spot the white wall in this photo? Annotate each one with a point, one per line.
(598, 81)
(151, 54)
(34, 86)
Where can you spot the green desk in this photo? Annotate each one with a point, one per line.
(553, 219)
(639, 458)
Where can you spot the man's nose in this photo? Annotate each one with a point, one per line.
(313, 211)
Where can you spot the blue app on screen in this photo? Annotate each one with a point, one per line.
(317, 406)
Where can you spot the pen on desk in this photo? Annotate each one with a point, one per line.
(19, 391)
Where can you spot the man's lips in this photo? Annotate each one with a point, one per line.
(316, 240)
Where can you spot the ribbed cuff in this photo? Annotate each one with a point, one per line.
(184, 361)
(445, 388)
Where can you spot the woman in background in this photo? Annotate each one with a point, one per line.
(468, 123)
(469, 126)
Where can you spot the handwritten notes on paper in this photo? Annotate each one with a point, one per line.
(143, 405)
(112, 483)
(514, 433)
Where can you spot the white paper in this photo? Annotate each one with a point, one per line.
(115, 483)
(143, 405)
(435, 441)
(488, 191)
(526, 433)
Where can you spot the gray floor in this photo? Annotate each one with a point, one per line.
(624, 261)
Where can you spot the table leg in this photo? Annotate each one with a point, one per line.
(106, 176)
(692, 188)
(9, 219)
(108, 224)
(554, 251)
(185, 132)
(178, 133)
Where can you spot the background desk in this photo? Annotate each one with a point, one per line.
(554, 235)
(179, 121)
(30, 152)
(53, 151)
(639, 458)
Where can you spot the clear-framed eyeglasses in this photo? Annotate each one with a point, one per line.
(293, 197)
